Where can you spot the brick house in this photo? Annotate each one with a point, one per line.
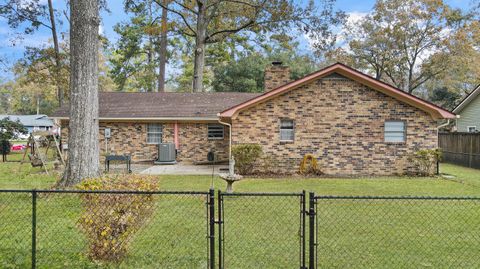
(354, 124)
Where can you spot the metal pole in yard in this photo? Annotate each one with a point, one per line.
(220, 231)
(311, 245)
(211, 207)
(34, 228)
(304, 212)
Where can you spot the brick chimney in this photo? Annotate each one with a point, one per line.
(276, 75)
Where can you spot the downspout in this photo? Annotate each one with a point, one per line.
(231, 164)
(438, 143)
(229, 136)
(443, 125)
(175, 135)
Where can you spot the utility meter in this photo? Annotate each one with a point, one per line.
(107, 132)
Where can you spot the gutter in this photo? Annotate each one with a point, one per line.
(152, 119)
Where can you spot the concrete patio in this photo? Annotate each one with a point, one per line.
(183, 169)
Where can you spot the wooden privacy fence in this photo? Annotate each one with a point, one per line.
(461, 148)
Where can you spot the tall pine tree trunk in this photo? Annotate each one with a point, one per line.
(200, 39)
(163, 50)
(56, 47)
(83, 148)
(151, 65)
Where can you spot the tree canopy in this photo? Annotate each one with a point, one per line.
(424, 47)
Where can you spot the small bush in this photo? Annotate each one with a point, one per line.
(246, 156)
(309, 166)
(109, 221)
(424, 160)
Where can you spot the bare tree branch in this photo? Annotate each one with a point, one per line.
(178, 13)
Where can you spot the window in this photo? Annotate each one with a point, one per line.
(286, 130)
(215, 131)
(472, 129)
(154, 133)
(395, 131)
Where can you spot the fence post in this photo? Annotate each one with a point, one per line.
(304, 224)
(220, 223)
(311, 234)
(34, 228)
(470, 152)
(211, 208)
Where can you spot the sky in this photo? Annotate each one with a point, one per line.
(12, 48)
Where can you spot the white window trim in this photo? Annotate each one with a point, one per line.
(280, 130)
(217, 125)
(161, 133)
(468, 129)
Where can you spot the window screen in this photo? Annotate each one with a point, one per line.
(154, 133)
(286, 130)
(215, 131)
(395, 131)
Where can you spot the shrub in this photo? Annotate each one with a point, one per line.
(309, 165)
(109, 221)
(424, 160)
(245, 157)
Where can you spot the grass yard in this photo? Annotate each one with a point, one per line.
(260, 232)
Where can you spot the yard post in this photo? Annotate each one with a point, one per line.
(304, 213)
(211, 208)
(34, 228)
(220, 223)
(311, 234)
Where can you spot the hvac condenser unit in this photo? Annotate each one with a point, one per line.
(166, 154)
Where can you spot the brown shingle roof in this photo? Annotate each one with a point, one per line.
(168, 105)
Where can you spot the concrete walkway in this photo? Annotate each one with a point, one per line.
(182, 169)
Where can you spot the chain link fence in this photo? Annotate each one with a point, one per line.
(397, 232)
(104, 229)
(108, 229)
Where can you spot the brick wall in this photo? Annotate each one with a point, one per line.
(339, 121)
(131, 138)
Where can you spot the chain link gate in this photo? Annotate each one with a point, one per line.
(260, 230)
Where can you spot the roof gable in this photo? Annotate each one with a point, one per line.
(467, 100)
(348, 72)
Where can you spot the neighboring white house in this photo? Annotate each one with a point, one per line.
(32, 122)
(469, 111)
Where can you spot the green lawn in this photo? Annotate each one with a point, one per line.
(260, 232)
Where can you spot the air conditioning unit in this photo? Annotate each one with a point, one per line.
(166, 154)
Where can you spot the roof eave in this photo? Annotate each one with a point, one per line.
(147, 118)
